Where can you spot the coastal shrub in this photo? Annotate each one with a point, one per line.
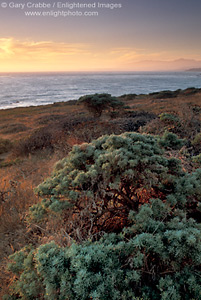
(169, 119)
(128, 97)
(164, 122)
(190, 91)
(187, 194)
(130, 121)
(165, 94)
(173, 94)
(95, 129)
(196, 142)
(153, 127)
(39, 140)
(114, 114)
(191, 122)
(68, 124)
(197, 159)
(131, 124)
(97, 103)
(196, 109)
(134, 219)
(147, 116)
(186, 124)
(97, 185)
(170, 140)
(5, 145)
(133, 120)
(61, 135)
(157, 257)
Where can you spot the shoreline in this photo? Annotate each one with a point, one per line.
(162, 93)
(70, 102)
(19, 122)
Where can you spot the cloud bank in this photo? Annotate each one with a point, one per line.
(27, 55)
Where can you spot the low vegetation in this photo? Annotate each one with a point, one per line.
(5, 145)
(98, 103)
(119, 217)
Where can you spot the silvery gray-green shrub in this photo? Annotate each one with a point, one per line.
(135, 218)
(97, 103)
(96, 186)
(157, 257)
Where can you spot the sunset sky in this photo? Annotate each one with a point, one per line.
(142, 35)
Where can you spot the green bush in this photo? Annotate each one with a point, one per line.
(97, 103)
(165, 122)
(128, 97)
(197, 159)
(97, 185)
(197, 144)
(165, 94)
(197, 140)
(170, 140)
(135, 218)
(157, 257)
(169, 118)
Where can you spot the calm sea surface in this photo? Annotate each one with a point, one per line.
(17, 90)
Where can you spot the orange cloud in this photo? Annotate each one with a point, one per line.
(29, 48)
(26, 55)
(129, 55)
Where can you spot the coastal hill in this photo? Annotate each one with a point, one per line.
(34, 139)
(194, 70)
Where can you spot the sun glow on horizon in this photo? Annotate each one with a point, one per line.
(47, 56)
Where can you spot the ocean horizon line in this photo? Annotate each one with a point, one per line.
(94, 72)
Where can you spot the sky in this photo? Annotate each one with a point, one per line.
(126, 35)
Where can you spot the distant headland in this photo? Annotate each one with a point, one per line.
(194, 70)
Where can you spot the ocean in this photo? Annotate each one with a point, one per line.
(31, 89)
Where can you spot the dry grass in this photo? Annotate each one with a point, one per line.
(29, 118)
(17, 185)
(67, 125)
(157, 106)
